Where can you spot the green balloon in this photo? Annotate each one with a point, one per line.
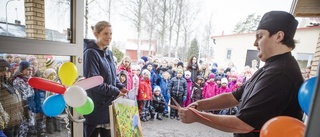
(87, 108)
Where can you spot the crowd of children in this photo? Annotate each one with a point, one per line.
(159, 82)
(151, 83)
(15, 75)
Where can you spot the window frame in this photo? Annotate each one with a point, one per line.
(74, 49)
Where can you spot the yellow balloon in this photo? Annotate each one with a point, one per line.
(68, 73)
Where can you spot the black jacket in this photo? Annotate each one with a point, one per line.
(98, 62)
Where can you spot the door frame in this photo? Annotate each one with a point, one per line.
(74, 49)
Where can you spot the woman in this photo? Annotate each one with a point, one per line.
(193, 67)
(98, 61)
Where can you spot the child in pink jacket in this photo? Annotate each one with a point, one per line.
(210, 88)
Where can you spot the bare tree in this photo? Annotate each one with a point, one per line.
(181, 6)
(172, 16)
(108, 10)
(189, 16)
(208, 31)
(162, 19)
(150, 20)
(134, 13)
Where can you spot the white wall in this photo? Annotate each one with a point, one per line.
(240, 43)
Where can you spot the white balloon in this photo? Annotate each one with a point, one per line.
(75, 96)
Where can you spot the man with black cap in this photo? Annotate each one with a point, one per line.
(272, 91)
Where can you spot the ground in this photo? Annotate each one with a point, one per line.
(174, 128)
(169, 128)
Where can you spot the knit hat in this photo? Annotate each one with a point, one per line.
(180, 63)
(211, 75)
(275, 21)
(145, 58)
(49, 62)
(157, 88)
(146, 72)
(30, 58)
(187, 73)
(140, 61)
(199, 77)
(214, 64)
(4, 65)
(48, 72)
(224, 80)
(24, 65)
(218, 78)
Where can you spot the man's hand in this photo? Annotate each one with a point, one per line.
(193, 105)
(186, 115)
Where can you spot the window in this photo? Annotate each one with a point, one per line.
(65, 50)
(41, 20)
(304, 59)
(228, 54)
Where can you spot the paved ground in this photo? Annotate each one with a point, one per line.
(174, 128)
(169, 128)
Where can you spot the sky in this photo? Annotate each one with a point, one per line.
(226, 14)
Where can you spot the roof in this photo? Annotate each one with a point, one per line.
(16, 30)
(237, 34)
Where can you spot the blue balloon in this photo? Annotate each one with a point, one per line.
(305, 94)
(53, 105)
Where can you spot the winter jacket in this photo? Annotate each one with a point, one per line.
(196, 92)
(178, 86)
(194, 72)
(129, 76)
(144, 91)
(188, 97)
(231, 84)
(164, 87)
(98, 62)
(224, 90)
(153, 79)
(210, 89)
(157, 101)
(20, 83)
(233, 88)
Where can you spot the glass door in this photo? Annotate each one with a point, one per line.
(48, 32)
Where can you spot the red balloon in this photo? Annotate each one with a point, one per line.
(44, 84)
(282, 126)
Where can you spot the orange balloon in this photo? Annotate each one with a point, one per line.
(282, 126)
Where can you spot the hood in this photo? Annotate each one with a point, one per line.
(89, 43)
(123, 72)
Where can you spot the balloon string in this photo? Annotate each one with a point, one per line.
(66, 119)
(197, 113)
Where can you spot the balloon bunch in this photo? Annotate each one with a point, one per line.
(305, 94)
(68, 93)
(284, 126)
